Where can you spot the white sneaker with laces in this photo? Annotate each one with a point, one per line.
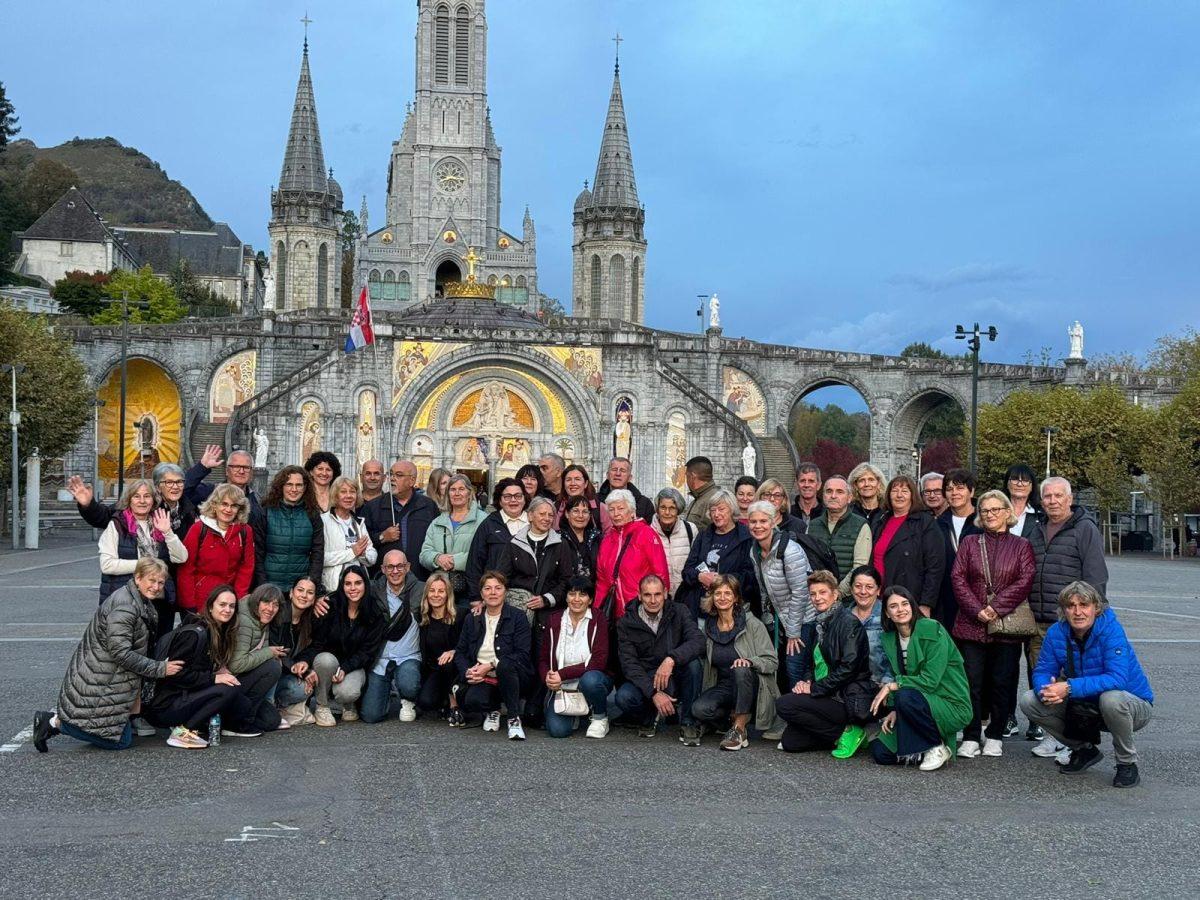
(324, 717)
(1048, 748)
(993, 747)
(492, 722)
(598, 727)
(515, 731)
(142, 728)
(935, 758)
(1064, 756)
(408, 711)
(350, 713)
(967, 750)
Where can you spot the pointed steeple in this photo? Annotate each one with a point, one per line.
(614, 184)
(362, 217)
(303, 160)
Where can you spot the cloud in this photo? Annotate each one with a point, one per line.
(971, 273)
(877, 332)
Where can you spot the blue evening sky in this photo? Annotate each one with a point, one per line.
(853, 174)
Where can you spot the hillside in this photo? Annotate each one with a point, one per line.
(125, 185)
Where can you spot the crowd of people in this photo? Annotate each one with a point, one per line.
(861, 612)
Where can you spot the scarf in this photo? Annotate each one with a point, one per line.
(131, 525)
(823, 620)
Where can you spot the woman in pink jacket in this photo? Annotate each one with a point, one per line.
(630, 551)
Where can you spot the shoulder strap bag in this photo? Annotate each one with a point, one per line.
(1019, 623)
(608, 606)
(567, 702)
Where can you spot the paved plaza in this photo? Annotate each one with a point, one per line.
(398, 810)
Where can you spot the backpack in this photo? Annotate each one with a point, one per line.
(162, 647)
(820, 556)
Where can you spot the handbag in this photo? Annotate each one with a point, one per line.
(568, 702)
(1017, 624)
(608, 606)
(458, 580)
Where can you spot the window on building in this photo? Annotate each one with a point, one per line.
(594, 312)
(403, 288)
(462, 46)
(389, 285)
(375, 285)
(441, 46)
(66, 248)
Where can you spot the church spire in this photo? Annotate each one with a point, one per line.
(303, 160)
(614, 184)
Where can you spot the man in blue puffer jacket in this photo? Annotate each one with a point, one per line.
(1087, 662)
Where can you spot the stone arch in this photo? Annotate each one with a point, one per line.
(224, 389)
(806, 385)
(810, 445)
(153, 395)
(912, 414)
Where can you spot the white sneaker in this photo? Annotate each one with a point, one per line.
(993, 747)
(598, 727)
(142, 728)
(324, 717)
(967, 750)
(1064, 756)
(937, 757)
(515, 731)
(408, 711)
(492, 722)
(350, 713)
(1048, 748)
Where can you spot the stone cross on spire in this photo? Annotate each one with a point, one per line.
(617, 39)
(306, 22)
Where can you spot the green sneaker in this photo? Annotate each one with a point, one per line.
(852, 738)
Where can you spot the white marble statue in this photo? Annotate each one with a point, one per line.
(1075, 333)
(749, 460)
(714, 312)
(493, 411)
(269, 291)
(261, 445)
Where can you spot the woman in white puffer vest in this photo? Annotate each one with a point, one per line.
(676, 533)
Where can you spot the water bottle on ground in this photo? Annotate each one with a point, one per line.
(214, 731)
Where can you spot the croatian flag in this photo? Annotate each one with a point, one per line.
(361, 332)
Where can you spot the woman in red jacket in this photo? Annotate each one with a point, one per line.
(628, 553)
(220, 548)
(574, 654)
(1008, 567)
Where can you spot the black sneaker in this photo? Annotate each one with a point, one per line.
(1127, 775)
(1012, 729)
(1034, 733)
(1082, 758)
(43, 730)
(689, 736)
(456, 719)
(649, 729)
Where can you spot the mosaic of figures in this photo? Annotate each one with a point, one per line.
(233, 384)
(584, 363)
(743, 397)
(411, 358)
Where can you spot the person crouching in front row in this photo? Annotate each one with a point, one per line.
(573, 657)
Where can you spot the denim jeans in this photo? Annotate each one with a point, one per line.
(684, 686)
(375, 699)
(87, 737)
(289, 690)
(594, 686)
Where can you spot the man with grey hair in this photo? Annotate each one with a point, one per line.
(932, 493)
(1067, 547)
(551, 466)
(620, 471)
(239, 471)
(1088, 679)
(843, 531)
(398, 520)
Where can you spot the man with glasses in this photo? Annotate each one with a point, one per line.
(931, 493)
(551, 466)
(399, 520)
(397, 593)
(239, 471)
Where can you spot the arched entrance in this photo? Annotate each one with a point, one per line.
(830, 424)
(446, 272)
(928, 432)
(153, 422)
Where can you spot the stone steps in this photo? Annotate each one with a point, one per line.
(777, 462)
(203, 434)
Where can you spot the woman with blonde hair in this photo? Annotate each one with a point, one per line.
(220, 548)
(440, 627)
(436, 487)
(773, 491)
(447, 544)
(866, 490)
(346, 538)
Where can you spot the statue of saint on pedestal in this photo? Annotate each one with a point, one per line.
(261, 445)
(749, 460)
(714, 312)
(1075, 333)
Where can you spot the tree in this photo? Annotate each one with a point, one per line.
(349, 240)
(141, 285)
(81, 292)
(941, 455)
(8, 122)
(834, 459)
(1177, 355)
(922, 350)
(53, 395)
(201, 301)
(1172, 454)
(1091, 426)
(44, 183)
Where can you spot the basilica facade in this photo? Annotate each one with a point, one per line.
(468, 371)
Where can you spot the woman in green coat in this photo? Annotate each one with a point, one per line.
(448, 540)
(930, 700)
(254, 662)
(289, 537)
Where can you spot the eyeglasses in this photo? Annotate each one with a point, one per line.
(508, 495)
(992, 510)
(172, 482)
(236, 468)
(776, 495)
(225, 504)
(931, 491)
(396, 567)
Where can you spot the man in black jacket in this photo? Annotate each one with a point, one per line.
(620, 470)
(239, 470)
(957, 522)
(399, 520)
(660, 648)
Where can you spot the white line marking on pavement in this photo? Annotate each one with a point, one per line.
(8, 640)
(17, 740)
(65, 562)
(1154, 612)
(50, 584)
(252, 833)
(1164, 641)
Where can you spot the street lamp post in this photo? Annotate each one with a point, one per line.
(14, 419)
(918, 455)
(703, 298)
(973, 341)
(125, 304)
(97, 403)
(1048, 431)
